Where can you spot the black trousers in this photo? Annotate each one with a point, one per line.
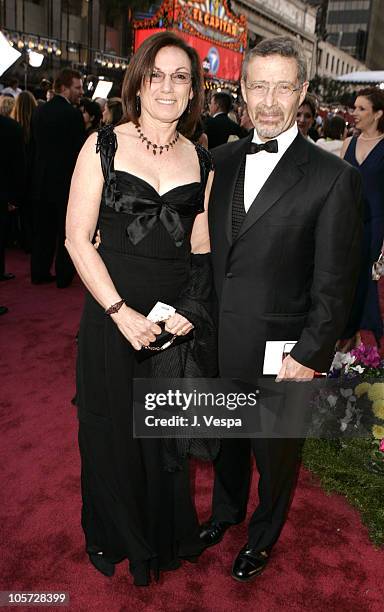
(277, 461)
(48, 239)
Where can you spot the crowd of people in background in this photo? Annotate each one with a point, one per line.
(43, 131)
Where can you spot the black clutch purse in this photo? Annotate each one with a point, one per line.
(163, 341)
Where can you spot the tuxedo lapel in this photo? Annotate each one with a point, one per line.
(287, 173)
(227, 176)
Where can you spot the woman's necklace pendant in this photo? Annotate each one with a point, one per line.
(156, 147)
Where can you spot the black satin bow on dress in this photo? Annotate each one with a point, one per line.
(271, 146)
(168, 208)
(139, 198)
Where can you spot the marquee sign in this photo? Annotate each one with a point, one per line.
(214, 21)
(217, 34)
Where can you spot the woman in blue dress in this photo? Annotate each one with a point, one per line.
(366, 153)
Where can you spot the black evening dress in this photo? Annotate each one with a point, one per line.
(366, 313)
(134, 508)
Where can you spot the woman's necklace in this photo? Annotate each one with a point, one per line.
(373, 138)
(156, 147)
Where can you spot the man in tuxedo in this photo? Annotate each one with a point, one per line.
(58, 133)
(285, 224)
(219, 127)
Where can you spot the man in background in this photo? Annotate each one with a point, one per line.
(58, 133)
(218, 126)
(13, 88)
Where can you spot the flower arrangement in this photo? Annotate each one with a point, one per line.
(346, 463)
(363, 362)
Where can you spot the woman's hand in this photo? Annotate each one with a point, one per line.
(177, 324)
(136, 328)
(97, 242)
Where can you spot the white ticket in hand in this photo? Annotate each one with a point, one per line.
(161, 312)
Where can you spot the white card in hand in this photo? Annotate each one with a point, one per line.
(161, 312)
(275, 351)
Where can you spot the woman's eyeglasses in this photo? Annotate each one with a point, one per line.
(178, 78)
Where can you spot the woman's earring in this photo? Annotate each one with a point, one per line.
(138, 105)
(189, 106)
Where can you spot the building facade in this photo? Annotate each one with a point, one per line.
(333, 62)
(76, 32)
(348, 24)
(281, 18)
(375, 45)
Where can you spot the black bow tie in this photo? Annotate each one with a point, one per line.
(270, 146)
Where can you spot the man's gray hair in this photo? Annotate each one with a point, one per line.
(279, 45)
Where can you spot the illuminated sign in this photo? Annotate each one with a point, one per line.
(213, 21)
(219, 36)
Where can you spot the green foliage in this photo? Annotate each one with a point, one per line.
(354, 468)
(330, 90)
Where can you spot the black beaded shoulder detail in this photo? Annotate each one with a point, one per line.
(106, 139)
(206, 164)
(106, 145)
(205, 158)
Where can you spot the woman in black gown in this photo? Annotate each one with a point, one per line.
(143, 185)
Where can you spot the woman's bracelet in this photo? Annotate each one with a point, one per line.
(114, 308)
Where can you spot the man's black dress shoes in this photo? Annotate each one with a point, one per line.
(212, 532)
(249, 563)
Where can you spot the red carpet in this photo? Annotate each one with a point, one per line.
(323, 560)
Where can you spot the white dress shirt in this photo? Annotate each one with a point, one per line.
(259, 166)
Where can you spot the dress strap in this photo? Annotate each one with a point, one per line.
(106, 145)
(206, 163)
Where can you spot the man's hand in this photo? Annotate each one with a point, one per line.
(177, 324)
(293, 370)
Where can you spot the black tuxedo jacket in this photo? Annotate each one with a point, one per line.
(291, 272)
(58, 133)
(219, 129)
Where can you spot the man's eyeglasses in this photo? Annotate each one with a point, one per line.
(261, 88)
(178, 78)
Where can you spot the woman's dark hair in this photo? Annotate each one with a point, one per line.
(115, 107)
(334, 127)
(93, 109)
(142, 64)
(376, 98)
(22, 112)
